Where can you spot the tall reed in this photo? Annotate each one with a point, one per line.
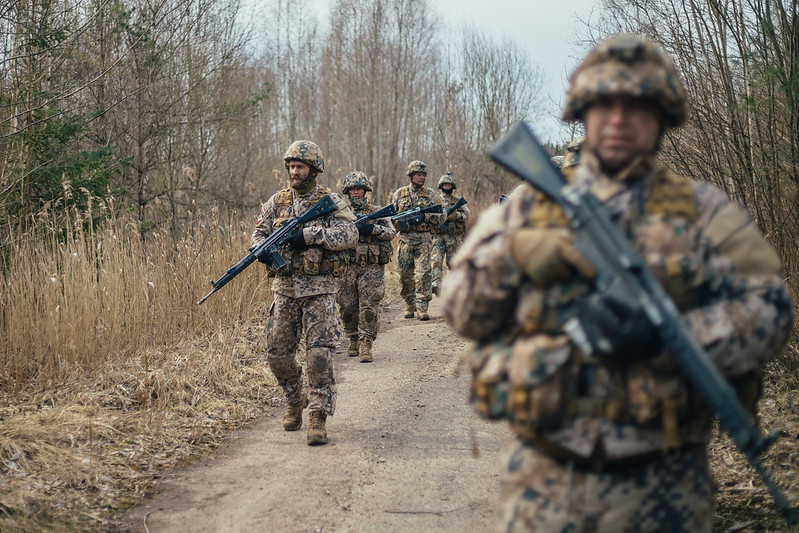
(75, 295)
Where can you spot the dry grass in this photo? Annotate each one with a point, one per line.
(110, 371)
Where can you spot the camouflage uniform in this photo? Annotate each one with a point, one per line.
(364, 286)
(615, 445)
(415, 240)
(445, 243)
(305, 294)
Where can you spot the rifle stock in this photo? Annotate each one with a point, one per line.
(623, 273)
(270, 246)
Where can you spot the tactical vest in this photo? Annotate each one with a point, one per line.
(534, 377)
(406, 202)
(455, 227)
(370, 250)
(315, 260)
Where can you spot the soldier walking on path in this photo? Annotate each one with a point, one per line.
(415, 241)
(449, 235)
(613, 436)
(305, 290)
(364, 286)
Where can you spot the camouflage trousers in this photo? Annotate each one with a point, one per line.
(413, 261)
(444, 247)
(673, 494)
(315, 317)
(359, 297)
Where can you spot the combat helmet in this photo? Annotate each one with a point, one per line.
(627, 65)
(356, 178)
(447, 178)
(416, 166)
(308, 152)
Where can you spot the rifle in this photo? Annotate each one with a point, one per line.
(408, 217)
(460, 203)
(270, 246)
(623, 273)
(384, 212)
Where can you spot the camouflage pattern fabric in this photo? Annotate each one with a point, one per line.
(359, 300)
(673, 494)
(445, 244)
(304, 304)
(413, 254)
(444, 247)
(289, 319)
(364, 286)
(727, 282)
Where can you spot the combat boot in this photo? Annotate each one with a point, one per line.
(317, 434)
(352, 351)
(292, 420)
(366, 350)
(410, 311)
(423, 316)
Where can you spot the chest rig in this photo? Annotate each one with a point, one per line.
(315, 260)
(455, 227)
(535, 378)
(370, 250)
(406, 201)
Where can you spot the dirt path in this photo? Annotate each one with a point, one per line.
(399, 456)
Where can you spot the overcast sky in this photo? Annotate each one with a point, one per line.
(546, 29)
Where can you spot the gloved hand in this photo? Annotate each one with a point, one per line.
(548, 256)
(297, 240)
(366, 229)
(263, 257)
(617, 330)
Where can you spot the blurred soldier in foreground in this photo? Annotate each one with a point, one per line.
(364, 286)
(415, 241)
(450, 234)
(614, 441)
(305, 291)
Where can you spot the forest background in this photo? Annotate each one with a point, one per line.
(139, 137)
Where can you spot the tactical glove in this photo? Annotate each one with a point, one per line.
(297, 240)
(263, 257)
(366, 229)
(616, 330)
(548, 256)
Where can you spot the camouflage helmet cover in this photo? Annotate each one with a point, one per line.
(627, 65)
(416, 166)
(356, 178)
(308, 152)
(447, 178)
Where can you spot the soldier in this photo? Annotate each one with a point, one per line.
(447, 241)
(305, 290)
(415, 240)
(614, 441)
(572, 157)
(364, 286)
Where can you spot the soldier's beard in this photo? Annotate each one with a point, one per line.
(305, 185)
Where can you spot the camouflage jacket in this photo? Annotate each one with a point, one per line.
(309, 272)
(720, 271)
(375, 247)
(409, 197)
(456, 226)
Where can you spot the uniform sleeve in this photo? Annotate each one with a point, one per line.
(480, 292)
(434, 218)
(384, 230)
(264, 223)
(747, 313)
(463, 213)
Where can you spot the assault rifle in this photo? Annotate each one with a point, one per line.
(621, 272)
(415, 215)
(276, 239)
(460, 203)
(384, 212)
